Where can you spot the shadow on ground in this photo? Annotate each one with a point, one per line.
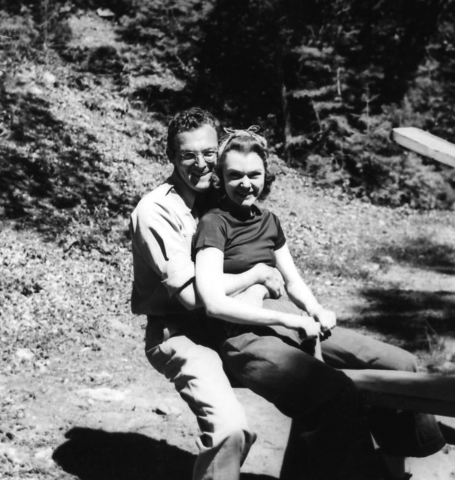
(98, 455)
(410, 317)
(50, 169)
(424, 251)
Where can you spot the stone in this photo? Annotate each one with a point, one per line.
(24, 354)
(49, 79)
(104, 394)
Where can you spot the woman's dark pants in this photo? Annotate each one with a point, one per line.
(330, 438)
(330, 434)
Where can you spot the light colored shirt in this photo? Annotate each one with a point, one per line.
(162, 227)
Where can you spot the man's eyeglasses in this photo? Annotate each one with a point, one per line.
(190, 158)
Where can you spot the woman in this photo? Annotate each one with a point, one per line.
(332, 439)
(260, 355)
(237, 235)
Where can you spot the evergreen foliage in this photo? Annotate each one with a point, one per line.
(326, 80)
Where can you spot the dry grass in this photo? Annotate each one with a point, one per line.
(75, 157)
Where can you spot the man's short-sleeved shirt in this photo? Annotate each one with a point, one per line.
(162, 227)
(245, 241)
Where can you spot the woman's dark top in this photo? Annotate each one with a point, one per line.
(245, 241)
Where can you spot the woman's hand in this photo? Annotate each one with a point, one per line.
(303, 324)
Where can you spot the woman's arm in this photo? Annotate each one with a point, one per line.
(210, 287)
(299, 292)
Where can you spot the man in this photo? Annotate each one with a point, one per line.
(162, 226)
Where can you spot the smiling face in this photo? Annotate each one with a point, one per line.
(243, 177)
(195, 176)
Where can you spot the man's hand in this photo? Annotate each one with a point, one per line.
(271, 278)
(327, 319)
(307, 326)
(254, 295)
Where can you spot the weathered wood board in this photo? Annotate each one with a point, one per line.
(422, 392)
(425, 144)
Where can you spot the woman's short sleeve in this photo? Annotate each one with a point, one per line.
(281, 238)
(211, 232)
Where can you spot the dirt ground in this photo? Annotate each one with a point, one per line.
(98, 411)
(107, 415)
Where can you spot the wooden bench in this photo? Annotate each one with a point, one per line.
(423, 392)
(425, 144)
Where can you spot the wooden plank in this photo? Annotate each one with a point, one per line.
(421, 392)
(425, 144)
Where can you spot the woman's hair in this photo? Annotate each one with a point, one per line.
(243, 144)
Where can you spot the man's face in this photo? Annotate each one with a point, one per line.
(196, 172)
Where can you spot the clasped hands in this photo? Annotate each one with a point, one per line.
(327, 321)
(323, 320)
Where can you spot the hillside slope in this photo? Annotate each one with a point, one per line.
(78, 399)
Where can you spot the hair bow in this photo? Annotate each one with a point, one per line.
(232, 133)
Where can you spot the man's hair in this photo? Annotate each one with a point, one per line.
(245, 145)
(185, 121)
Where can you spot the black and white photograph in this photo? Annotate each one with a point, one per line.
(227, 239)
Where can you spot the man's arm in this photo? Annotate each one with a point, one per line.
(158, 243)
(209, 282)
(260, 274)
(269, 278)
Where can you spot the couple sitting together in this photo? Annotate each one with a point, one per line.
(211, 269)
